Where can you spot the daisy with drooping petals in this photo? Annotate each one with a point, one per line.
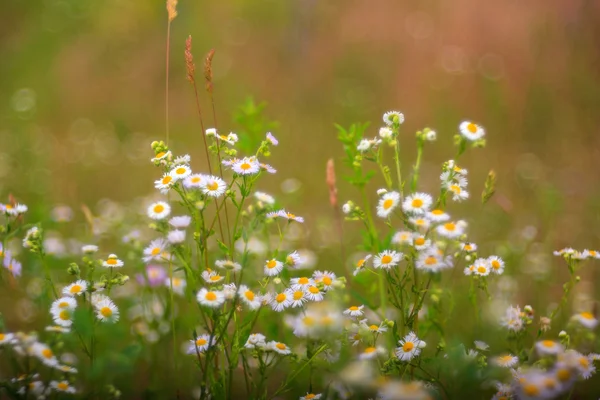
(546, 347)
(113, 262)
(299, 297)
(154, 250)
(194, 181)
(176, 236)
(361, 264)
(354, 311)
(437, 215)
(506, 361)
(417, 203)
(211, 277)
(294, 259)
(268, 168)
(256, 340)
(246, 166)
(271, 139)
(213, 186)
(162, 156)
(451, 230)
(201, 344)
(468, 247)
(107, 311)
(393, 117)
(471, 131)
(403, 237)
(228, 265)
(586, 319)
(387, 259)
(311, 396)
(210, 298)
(591, 253)
(264, 198)
(459, 193)
(281, 301)
(278, 347)
(180, 222)
(76, 288)
(284, 214)
(62, 386)
(165, 183)
(273, 267)
(371, 353)
(381, 328)
(422, 224)
(387, 203)
(496, 264)
(410, 347)
(159, 210)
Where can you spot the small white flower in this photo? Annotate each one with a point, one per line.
(325, 278)
(387, 203)
(184, 159)
(268, 168)
(468, 247)
(76, 288)
(364, 145)
(496, 264)
(403, 237)
(545, 347)
(89, 249)
(246, 166)
(155, 250)
(213, 186)
(355, 311)
(311, 396)
(15, 210)
(201, 344)
(392, 117)
(438, 215)
(180, 222)
(228, 265)
(159, 210)
(210, 298)
(387, 259)
(420, 223)
(265, 198)
(471, 131)
(294, 259)
(113, 262)
(430, 260)
(248, 297)
(481, 267)
(162, 157)
(271, 139)
(385, 132)
(430, 136)
(371, 353)
(256, 340)
(409, 347)
(211, 277)
(420, 242)
(179, 172)
(106, 310)
(194, 181)
(176, 236)
(62, 386)
(273, 267)
(281, 301)
(481, 346)
(417, 203)
(314, 294)
(165, 183)
(284, 214)
(586, 319)
(451, 230)
(278, 347)
(506, 361)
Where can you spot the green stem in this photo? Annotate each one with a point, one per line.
(417, 166)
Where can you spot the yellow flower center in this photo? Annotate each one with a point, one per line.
(47, 353)
(455, 188)
(180, 171)
(249, 295)
(505, 359)
(166, 179)
(155, 251)
(370, 350)
(272, 264)
(437, 212)
(298, 294)
(450, 226)
(111, 261)
(308, 321)
(215, 278)
(195, 179)
(75, 289)
(587, 315)
(290, 216)
(408, 346)
(2, 336)
(420, 241)
(563, 374)
(373, 327)
(468, 247)
(420, 222)
(531, 390)
(548, 343)
(62, 385)
(584, 362)
(495, 264)
(64, 315)
(481, 269)
(360, 263)
(281, 346)
(210, 296)
(303, 281)
(159, 155)
(430, 260)
(63, 304)
(353, 308)
(159, 208)
(417, 203)
(280, 298)
(201, 342)
(106, 312)
(471, 127)
(550, 383)
(327, 280)
(212, 186)
(310, 396)
(387, 204)
(313, 289)
(386, 259)
(245, 166)
(592, 253)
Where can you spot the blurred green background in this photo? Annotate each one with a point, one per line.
(82, 96)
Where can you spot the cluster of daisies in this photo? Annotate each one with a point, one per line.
(28, 347)
(12, 214)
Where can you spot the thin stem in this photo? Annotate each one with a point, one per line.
(417, 166)
(398, 169)
(168, 50)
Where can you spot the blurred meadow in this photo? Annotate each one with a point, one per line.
(82, 96)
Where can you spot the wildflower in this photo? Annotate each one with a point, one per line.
(468, 247)
(458, 192)
(546, 347)
(281, 301)
(44, 354)
(364, 145)
(249, 298)
(420, 223)
(301, 283)
(15, 210)
(31, 235)
(311, 396)
(265, 198)
(246, 166)
(63, 316)
(417, 203)
(154, 250)
(325, 278)
(89, 249)
(286, 215)
(113, 262)
(451, 230)
(438, 215)
(159, 210)
(371, 352)
(403, 237)
(294, 259)
(482, 346)
(63, 303)
(180, 222)
(471, 131)
(387, 259)
(268, 168)
(355, 311)
(360, 264)
(62, 386)
(194, 181)
(12, 265)
(256, 340)
(410, 347)
(165, 183)
(566, 251)
(586, 319)
(385, 133)
(387, 203)
(58, 329)
(506, 361)
(278, 347)
(299, 297)
(393, 117)
(176, 236)
(430, 136)
(156, 275)
(273, 267)
(211, 276)
(210, 298)
(271, 139)
(76, 288)
(67, 369)
(106, 310)
(162, 156)
(591, 253)
(201, 344)
(6, 338)
(431, 261)
(178, 284)
(481, 267)
(213, 186)
(228, 265)
(381, 328)
(314, 294)
(420, 242)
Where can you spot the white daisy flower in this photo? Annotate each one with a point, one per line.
(179, 172)
(63, 316)
(194, 181)
(248, 297)
(385, 132)
(294, 259)
(420, 242)
(591, 253)
(371, 353)
(311, 396)
(354, 311)
(403, 237)
(546, 347)
(180, 222)
(361, 264)
(273, 267)
(566, 250)
(381, 328)
(256, 340)
(506, 361)
(89, 249)
(387, 203)
(410, 347)
(301, 283)
(62, 386)
(468, 247)
(458, 192)
(201, 344)
(264, 198)
(113, 262)
(63, 303)
(431, 261)
(497, 264)
(246, 166)
(154, 250)
(314, 294)
(178, 285)
(213, 186)
(162, 156)
(393, 117)
(107, 311)
(271, 139)
(44, 354)
(481, 267)
(210, 298)
(176, 236)
(76, 288)
(57, 329)
(159, 210)
(299, 297)
(211, 277)
(278, 347)
(586, 319)
(6, 338)
(481, 346)
(417, 203)
(438, 215)
(325, 278)
(268, 168)
(387, 259)
(284, 214)
(471, 131)
(15, 210)
(281, 301)
(420, 223)
(451, 230)
(165, 183)
(228, 265)
(364, 145)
